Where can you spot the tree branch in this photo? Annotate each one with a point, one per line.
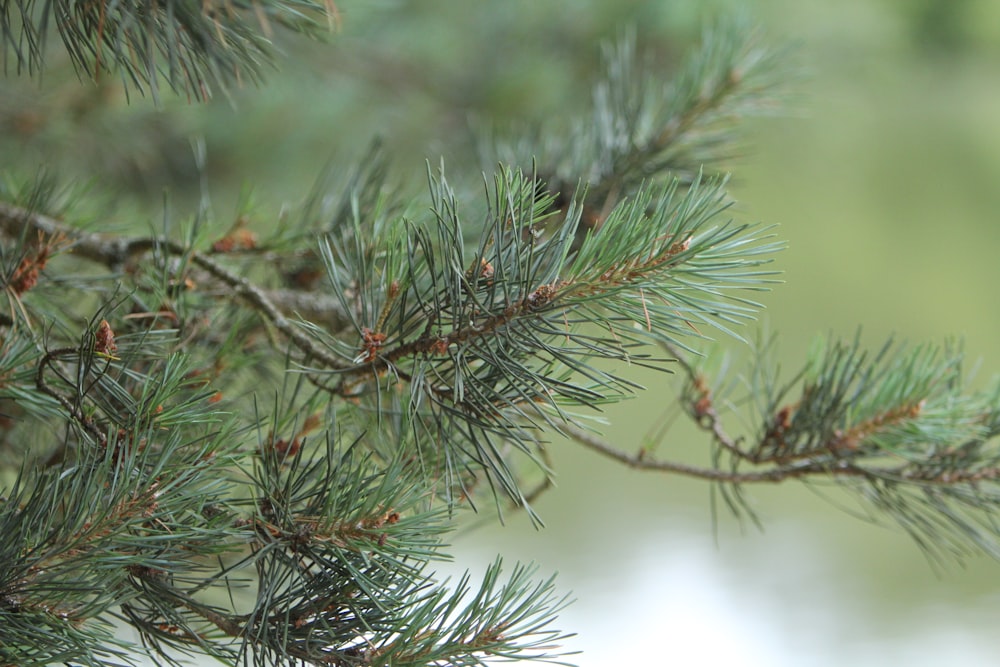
(830, 468)
(116, 252)
(640, 461)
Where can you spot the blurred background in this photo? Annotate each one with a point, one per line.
(884, 176)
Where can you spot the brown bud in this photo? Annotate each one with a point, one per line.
(105, 343)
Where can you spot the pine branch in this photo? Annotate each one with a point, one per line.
(337, 539)
(338, 579)
(493, 342)
(194, 46)
(135, 501)
(117, 252)
(173, 493)
(642, 129)
(894, 430)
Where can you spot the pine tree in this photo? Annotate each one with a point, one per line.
(251, 441)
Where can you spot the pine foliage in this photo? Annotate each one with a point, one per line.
(252, 442)
(193, 46)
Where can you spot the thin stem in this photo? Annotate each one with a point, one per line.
(832, 468)
(74, 411)
(702, 410)
(640, 461)
(262, 303)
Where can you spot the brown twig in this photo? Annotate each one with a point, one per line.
(115, 252)
(111, 251)
(829, 466)
(262, 303)
(81, 419)
(640, 461)
(702, 409)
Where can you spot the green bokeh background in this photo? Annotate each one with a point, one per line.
(884, 177)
